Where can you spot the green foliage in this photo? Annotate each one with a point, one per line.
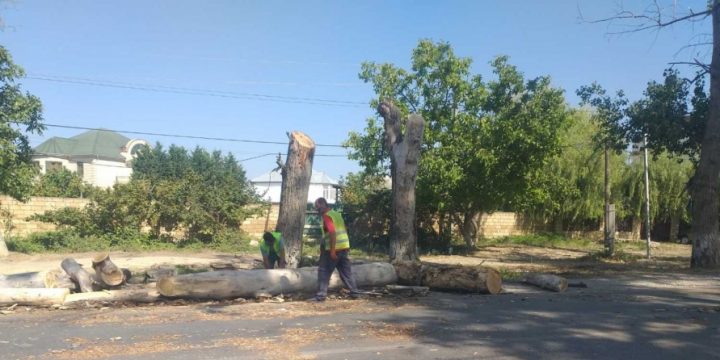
(366, 203)
(62, 183)
(200, 192)
(204, 195)
(20, 116)
(484, 142)
(672, 116)
(608, 115)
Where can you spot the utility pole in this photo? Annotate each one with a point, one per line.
(647, 196)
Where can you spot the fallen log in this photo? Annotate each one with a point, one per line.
(32, 297)
(108, 273)
(78, 274)
(230, 284)
(477, 279)
(237, 265)
(549, 282)
(38, 280)
(155, 274)
(135, 295)
(400, 289)
(98, 284)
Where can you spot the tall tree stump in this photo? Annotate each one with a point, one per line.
(296, 173)
(3, 246)
(404, 158)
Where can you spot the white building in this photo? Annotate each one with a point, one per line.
(321, 185)
(101, 157)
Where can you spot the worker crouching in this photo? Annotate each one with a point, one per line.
(272, 249)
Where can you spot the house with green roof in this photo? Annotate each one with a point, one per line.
(101, 157)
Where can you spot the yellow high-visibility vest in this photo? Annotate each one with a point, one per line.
(276, 246)
(342, 241)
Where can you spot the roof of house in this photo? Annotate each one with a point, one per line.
(317, 177)
(103, 143)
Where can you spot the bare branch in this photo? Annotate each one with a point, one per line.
(650, 18)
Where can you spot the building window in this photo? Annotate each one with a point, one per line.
(326, 192)
(53, 165)
(81, 169)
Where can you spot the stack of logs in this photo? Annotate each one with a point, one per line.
(108, 283)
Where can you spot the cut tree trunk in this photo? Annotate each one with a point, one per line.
(33, 297)
(704, 232)
(247, 284)
(296, 173)
(3, 246)
(468, 228)
(39, 279)
(549, 282)
(108, 273)
(477, 279)
(78, 274)
(137, 296)
(404, 159)
(98, 284)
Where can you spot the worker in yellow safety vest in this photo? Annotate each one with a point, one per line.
(334, 249)
(272, 249)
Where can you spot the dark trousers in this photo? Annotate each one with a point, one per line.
(273, 258)
(326, 268)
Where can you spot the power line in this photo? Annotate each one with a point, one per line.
(215, 93)
(324, 63)
(228, 82)
(182, 136)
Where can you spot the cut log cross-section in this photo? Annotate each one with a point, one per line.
(296, 173)
(477, 279)
(549, 282)
(33, 297)
(78, 274)
(229, 284)
(108, 273)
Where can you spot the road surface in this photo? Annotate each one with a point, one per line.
(644, 317)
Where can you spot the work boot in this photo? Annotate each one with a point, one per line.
(316, 300)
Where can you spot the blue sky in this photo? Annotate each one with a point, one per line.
(309, 49)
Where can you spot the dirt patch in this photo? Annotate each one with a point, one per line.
(107, 349)
(391, 332)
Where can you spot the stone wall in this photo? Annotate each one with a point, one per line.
(20, 211)
(501, 224)
(256, 225)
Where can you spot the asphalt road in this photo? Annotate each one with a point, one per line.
(647, 317)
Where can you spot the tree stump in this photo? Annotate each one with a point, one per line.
(108, 273)
(296, 173)
(38, 279)
(404, 159)
(78, 274)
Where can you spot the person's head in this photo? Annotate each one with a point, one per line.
(321, 205)
(269, 238)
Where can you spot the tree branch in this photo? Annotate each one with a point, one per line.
(651, 18)
(392, 116)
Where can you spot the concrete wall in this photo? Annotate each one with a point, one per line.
(501, 224)
(36, 205)
(105, 173)
(255, 226)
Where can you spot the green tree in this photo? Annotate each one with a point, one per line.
(484, 141)
(62, 183)
(20, 116)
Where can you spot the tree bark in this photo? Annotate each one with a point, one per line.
(33, 297)
(401, 289)
(135, 295)
(3, 246)
(78, 274)
(477, 279)
(296, 175)
(404, 159)
(674, 228)
(242, 283)
(468, 228)
(704, 190)
(549, 282)
(609, 238)
(108, 274)
(40, 279)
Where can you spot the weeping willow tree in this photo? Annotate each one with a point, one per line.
(575, 184)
